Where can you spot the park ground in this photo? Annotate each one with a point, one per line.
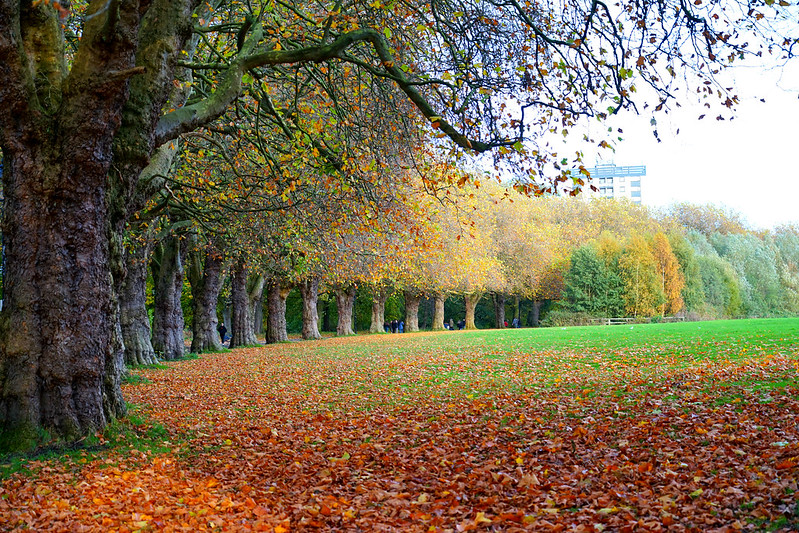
(678, 427)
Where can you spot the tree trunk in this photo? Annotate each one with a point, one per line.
(276, 294)
(309, 290)
(257, 312)
(379, 298)
(471, 305)
(168, 341)
(438, 311)
(57, 326)
(113, 402)
(412, 300)
(242, 333)
(255, 300)
(205, 276)
(327, 319)
(517, 309)
(536, 313)
(345, 303)
(134, 319)
(499, 310)
(227, 315)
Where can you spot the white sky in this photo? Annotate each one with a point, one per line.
(748, 164)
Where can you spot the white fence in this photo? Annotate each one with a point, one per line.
(631, 320)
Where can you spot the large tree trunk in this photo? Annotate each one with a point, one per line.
(309, 290)
(276, 294)
(438, 311)
(242, 333)
(59, 340)
(168, 341)
(471, 305)
(412, 300)
(134, 319)
(205, 276)
(345, 303)
(57, 314)
(379, 298)
(499, 310)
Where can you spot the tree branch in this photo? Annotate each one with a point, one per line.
(191, 117)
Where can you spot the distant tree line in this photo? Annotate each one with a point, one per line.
(494, 258)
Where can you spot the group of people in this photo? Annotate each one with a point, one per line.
(395, 326)
(453, 325)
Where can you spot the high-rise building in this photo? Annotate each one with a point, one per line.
(613, 181)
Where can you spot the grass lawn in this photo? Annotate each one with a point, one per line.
(684, 427)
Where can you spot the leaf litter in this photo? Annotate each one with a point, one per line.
(382, 433)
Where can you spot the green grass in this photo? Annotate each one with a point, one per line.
(135, 431)
(576, 359)
(134, 379)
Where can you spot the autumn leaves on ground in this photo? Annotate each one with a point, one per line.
(682, 427)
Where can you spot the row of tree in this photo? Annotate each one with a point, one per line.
(600, 257)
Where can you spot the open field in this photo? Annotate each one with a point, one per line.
(679, 427)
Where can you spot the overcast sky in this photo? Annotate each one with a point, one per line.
(748, 164)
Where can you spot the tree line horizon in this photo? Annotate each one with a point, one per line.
(599, 258)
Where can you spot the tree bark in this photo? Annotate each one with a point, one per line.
(57, 334)
(255, 299)
(345, 303)
(205, 276)
(242, 333)
(379, 298)
(134, 319)
(227, 315)
(59, 339)
(276, 294)
(309, 290)
(257, 313)
(535, 313)
(471, 305)
(168, 324)
(327, 317)
(499, 310)
(113, 402)
(438, 311)
(517, 308)
(412, 300)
